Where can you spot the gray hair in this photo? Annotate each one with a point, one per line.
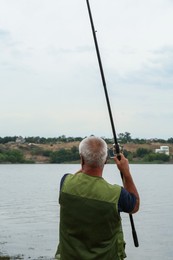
(94, 151)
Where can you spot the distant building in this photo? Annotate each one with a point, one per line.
(20, 140)
(163, 149)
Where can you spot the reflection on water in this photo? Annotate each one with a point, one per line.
(29, 211)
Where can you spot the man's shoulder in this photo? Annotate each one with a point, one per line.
(63, 179)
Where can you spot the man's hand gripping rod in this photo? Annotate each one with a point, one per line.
(117, 149)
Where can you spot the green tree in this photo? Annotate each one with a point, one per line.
(170, 140)
(58, 156)
(65, 155)
(141, 152)
(139, 141)
(3, 157)
(124, 138)
(7, 139)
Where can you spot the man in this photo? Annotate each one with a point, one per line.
(90, 223)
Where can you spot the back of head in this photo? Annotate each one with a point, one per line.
(93, 150)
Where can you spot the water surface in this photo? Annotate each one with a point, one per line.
(29, 210)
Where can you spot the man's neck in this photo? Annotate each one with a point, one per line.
(92, 171)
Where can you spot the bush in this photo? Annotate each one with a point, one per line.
(3, 158)
(12, 156)
(158, 157)
(65, 155)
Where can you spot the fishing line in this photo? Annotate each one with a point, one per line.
(135, 238)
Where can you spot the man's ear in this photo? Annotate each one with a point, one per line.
(82, 160)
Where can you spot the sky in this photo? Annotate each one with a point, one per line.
(50, 83)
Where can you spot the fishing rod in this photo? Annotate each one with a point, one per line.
(117, 149)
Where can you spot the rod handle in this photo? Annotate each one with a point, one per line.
(134, 234)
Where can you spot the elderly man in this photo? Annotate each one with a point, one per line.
(90, 222)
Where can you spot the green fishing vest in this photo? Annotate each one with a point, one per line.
(90, 225)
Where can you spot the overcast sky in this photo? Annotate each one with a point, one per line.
(50, 83)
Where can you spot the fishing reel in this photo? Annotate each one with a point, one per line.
(115, 150)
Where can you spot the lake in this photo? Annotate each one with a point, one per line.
(29, 210)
